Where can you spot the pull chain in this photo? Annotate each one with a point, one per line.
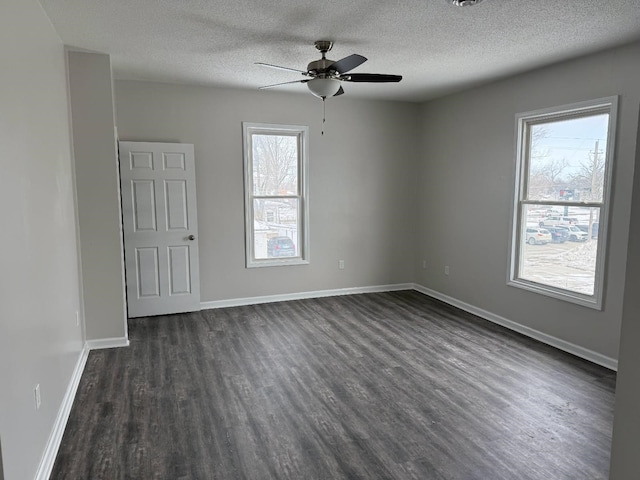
(323, 114)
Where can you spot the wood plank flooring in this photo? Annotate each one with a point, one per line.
(378, 386)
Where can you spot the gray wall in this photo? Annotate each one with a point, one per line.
(97, 180)
(466, 190)
(39, 286)
(625, 461)
(362, 186)
(1, 467)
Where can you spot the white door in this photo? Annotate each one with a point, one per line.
(160, 228)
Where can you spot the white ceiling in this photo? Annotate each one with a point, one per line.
(438, 48)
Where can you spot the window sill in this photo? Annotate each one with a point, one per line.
(589, 301)
(281, 262)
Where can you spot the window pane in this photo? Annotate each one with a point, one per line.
(275, 164)
(567, 159)
(275, 228)
(559, 245)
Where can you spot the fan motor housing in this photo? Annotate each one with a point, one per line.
(321, 66)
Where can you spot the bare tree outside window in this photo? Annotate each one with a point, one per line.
(589, 176)
(275, 165)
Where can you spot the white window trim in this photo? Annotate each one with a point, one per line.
(302, 133)
(521, 157)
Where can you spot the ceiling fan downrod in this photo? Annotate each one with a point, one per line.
(323, 46)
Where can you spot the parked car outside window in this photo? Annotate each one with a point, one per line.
(575, 234)
(538, 236)
(594, 229)
(558, 235)
(281, 247)
(554, 221)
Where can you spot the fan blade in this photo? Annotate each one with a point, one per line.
(282, 68)
(283, 83)
(347, 63)
(371, 77)
(339, 92)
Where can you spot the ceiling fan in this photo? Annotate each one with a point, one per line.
(325, 76)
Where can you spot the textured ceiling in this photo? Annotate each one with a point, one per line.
(438, 48)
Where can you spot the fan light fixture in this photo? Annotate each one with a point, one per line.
(464, 3)
(323, 87)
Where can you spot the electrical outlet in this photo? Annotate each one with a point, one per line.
(77, 318)
(36, 392)
(424, 264)
(446, 269)
(341, 264)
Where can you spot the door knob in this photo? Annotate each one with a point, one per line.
(192, 237)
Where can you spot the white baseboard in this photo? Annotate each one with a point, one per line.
(577, 350)
(107, 343)
(237, 302)
(53, 444)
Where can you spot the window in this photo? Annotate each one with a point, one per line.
(276, 207)
(563, 180)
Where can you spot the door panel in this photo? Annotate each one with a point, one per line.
(148, 272)
(144, 205)
(173, 161)
(176, 195)
(160, 228)
(141, 161)
(179, 275)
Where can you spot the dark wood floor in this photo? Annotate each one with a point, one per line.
(378, 386)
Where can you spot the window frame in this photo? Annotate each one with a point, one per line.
(523, 123)
(302, 246)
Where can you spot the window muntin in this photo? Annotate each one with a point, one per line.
(276, 211)
(563, 173)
